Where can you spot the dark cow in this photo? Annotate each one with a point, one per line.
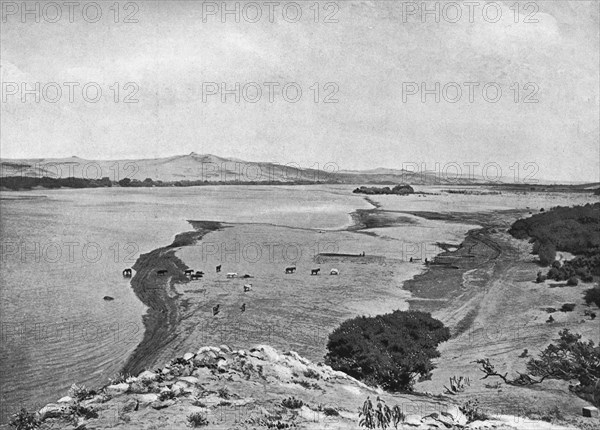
(218, 268)
(216, 309)
(195, 276)
(243, 307)
(161, 272)
(290, 269)
(127, 273)
(189, 271)
(199, 273)
(315, 271)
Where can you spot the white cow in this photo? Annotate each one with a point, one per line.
(334, 272)
(247, 287)
(232, 275)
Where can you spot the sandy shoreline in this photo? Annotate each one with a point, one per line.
(161, 318)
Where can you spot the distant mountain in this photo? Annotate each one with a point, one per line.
(214, 169)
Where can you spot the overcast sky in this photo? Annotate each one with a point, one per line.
(371, 54)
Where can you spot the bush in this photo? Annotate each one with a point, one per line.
(197, 419)
(292, 403)
(391, 350)
(568, 307)
(472, 411)
(166, 395)
(573, 281)
(330, 412)
(593, 296)
(79, 393)
(24, 420)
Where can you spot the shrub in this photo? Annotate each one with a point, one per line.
(472, 411)
(547, 254)
(391, 350)
(24, 420)
(573, 281)
(567, 307)
(309, 373)
(593, 296)
(379, 417)
(197, 419)
(166, 395)
(550, 320)
(292, 403)
(330, 412)
(223, 393)
(79, 393)
(119, 378)
(198, 401)
(457, 385)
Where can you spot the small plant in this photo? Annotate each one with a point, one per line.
(381, 416)
(79, 393)
(550, 320)
(198, 401)
(223, 393)
(24, 420)
(472, 411)
(330, 412)
(166, 395)
(77, 411)
(457, 385)
(292, 403)
(552, 415)
(197, 419)
(119, 378)
(524, 354)
(568, 307)
(309, 373)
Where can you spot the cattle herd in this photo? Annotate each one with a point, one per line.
(194, 275)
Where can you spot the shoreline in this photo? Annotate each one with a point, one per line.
(162, 315)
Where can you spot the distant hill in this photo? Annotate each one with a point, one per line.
(209, 168)
(214, 169)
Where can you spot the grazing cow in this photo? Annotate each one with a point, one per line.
(315, 271)
(195, 276)
(246, 276)
(232, 275)
(189, 271)
(247, 287)
(290, 269)
(199, 273)
(127, 273)
(334, 272)
(218, 268)
(108, 298)
(161, 272)
(216, 309)
(243, 307)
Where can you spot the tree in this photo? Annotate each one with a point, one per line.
(125, 182)
(547, 254)
(391, 350)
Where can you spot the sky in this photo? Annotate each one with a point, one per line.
(367, 72)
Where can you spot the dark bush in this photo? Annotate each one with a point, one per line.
(24, 420)
(547, 254)
(567, 307)
(292, 403)
(593, 296)
(390, 350)
(573, 281)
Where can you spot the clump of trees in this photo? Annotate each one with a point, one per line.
(398, 189)
(575, 230)
(392, 350)
(27, 183)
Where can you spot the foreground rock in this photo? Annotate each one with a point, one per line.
(222, 388)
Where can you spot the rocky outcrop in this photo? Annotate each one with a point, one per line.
(246, 389)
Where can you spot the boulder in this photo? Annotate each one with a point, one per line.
(147, 399)
(146, 375)
(457, 416)
(130, 405)
(51, 410)
(191, 380)
(117, 389)
(225, 348)
(162, 404)
(66, 399)
(412, 420)
(590, 412)
(188, 356)
(205, 349)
